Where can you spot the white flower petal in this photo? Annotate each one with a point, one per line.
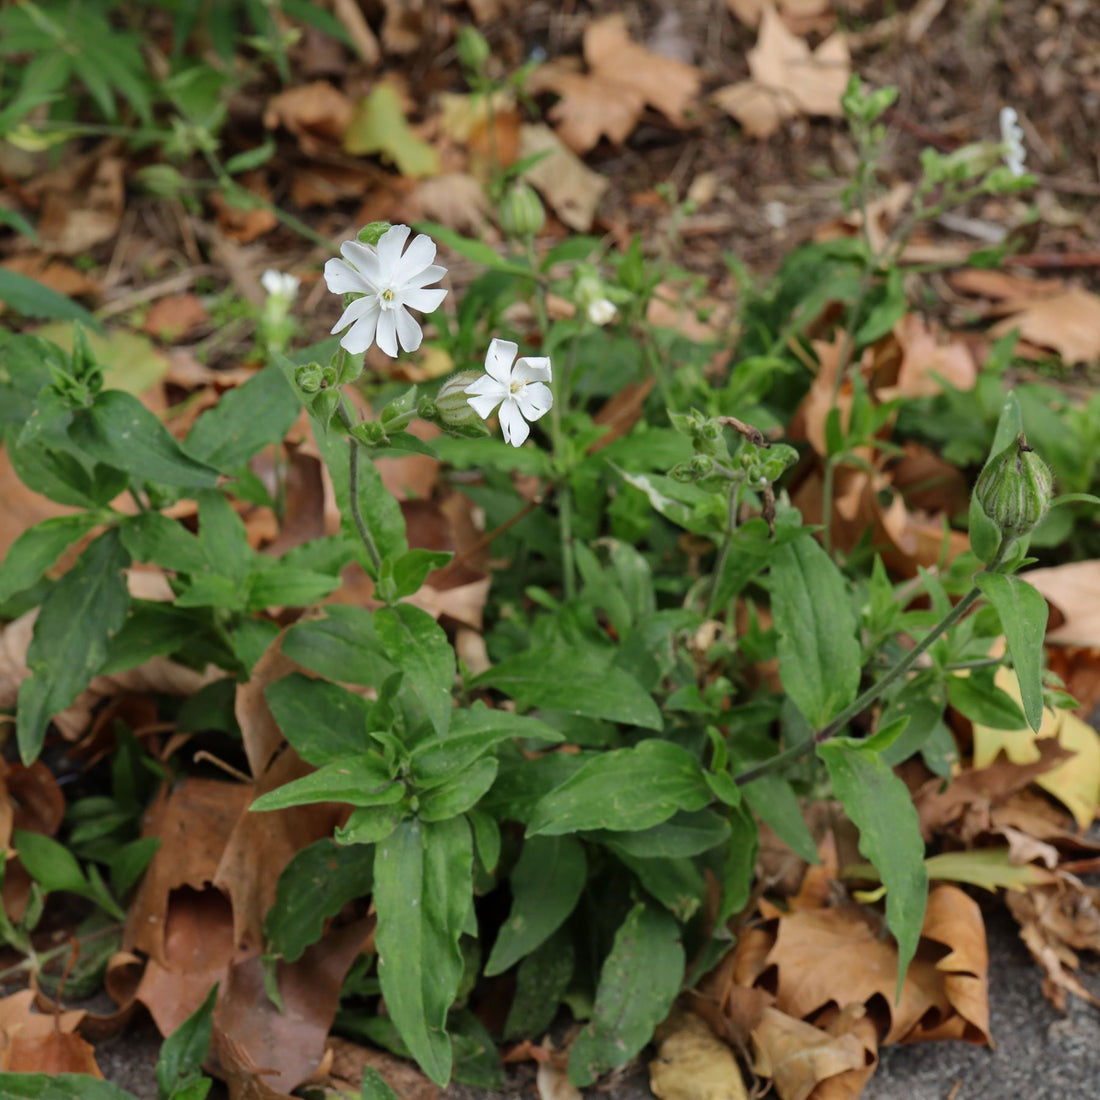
(361, 335)
(386, 336)
(512, 425)
(531, 369)
(364, 259)
(408, 331)
(498, 360)
(355, 310)
(342, 278)
(430, 274)
(484, 404)
(418, 256)
(389, 246)
(488, 384)
(534, 400)
(423, 300)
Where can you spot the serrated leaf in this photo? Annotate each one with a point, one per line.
(71, 637)
(639, 981)
(1023, 613)
(819, 653)
(623, 790)
(315, 885)
(546, 884)
(423, 895)
(879, 804)
(574, 682)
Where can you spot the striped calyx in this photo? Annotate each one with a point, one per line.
(1015, 488)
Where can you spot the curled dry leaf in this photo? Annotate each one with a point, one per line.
(316, 114)
(569, 186)
(692, 1063)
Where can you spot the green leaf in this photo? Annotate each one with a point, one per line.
(322, 720)
(71, 637)
(343, 645)
(574, 682)
(478, 251)
(223, 538)
(541, 982)
(678, 884)
(639, 981)
(182, 1054)
(1023, 613)
(34, 299)
(378, 125)
(154, 538)
(459, 793)
(416, 643)
(879, 804)
(819, 654)
(624, 790)
(120, 431)
(38, 548)
(979, 699)
(374, 1086)
(405, 574)
(985, 536)
(546, 884)
(278, 585)
(244, 420)
(423, 895)
(315, 885)
(684, 834)
(64, 1086)
(370, 824)
(50, 864)
(358, 780)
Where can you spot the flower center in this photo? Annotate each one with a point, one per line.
(514, 387)
(387, 299)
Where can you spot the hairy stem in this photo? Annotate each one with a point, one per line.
(353, 477)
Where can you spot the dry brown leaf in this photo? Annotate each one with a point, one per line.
(569, 186)
(623, 78)
(53, 1053)
(455, 200)
(23, 507)
(173, 317)
(56, 274)
(244, 224)
(925, 362)
(84, 209)
(552, 1078)
(316, 114)
(692, 1063)
(750, 11)
(1074, 589)
(349, 1060)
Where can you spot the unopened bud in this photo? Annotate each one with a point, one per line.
(472, 49)
(400, 412)
(325, 405)
(452, 410)
(369, 432)
(309, 378)
(521, 212)
(1015, 488)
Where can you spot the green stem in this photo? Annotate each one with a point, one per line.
(353, 472)
(727, 542)
(863, 701)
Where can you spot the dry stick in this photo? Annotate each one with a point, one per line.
(875, 690)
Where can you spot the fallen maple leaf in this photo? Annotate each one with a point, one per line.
(623, 78)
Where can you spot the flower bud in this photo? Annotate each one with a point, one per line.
(601, 312)
(452, 410)
(309, 378)
(161, 180)
(472, 49)
(1015, 488)
(325, 405)
(400, 412)
(369, 432)
(521, 213)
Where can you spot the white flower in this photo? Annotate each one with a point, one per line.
(601, 312)
(1012, 137)
(388, 283)
(520, 390)
(279, 284)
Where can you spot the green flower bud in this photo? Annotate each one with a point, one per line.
(521, 213)
(369, 432)
(400, 412)
(372, 233)
(473, 51)
(451, 408)
(1015, 488)
(161, 180)
(695, 469)
(309, 378)
(325, 405)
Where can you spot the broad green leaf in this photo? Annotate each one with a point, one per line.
(63, 1086)
(486, 838)
(374, 1086)
(979, 699)
(38, 548)
(417, 645)
(182, 1054)
(474, 731)
(522, 783)
(624, 790)
(541, 981)
(405, 574)
(153, 537)
(120, 431)
(879, 804)
(322, 720)
(459, 793)
(244, 420)
(751, 549)
(684, 834)
(1023, 613)
(358, 780)
(476, 1058)
(678, 884)
(369, 824)
(423, 897)
(738, 864)
(378, 125)
(315, 885)
(71, 637)
(819, 653)
(223, 538)
(281, 586)
(35, 299)
(50, 864)
(574, 682)
(343, 646)
(639, 980)
(546, 884)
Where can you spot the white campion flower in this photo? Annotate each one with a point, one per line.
(601, 312)
(388, 283)
(519, 390)
(1012, 137)
(279, 284)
